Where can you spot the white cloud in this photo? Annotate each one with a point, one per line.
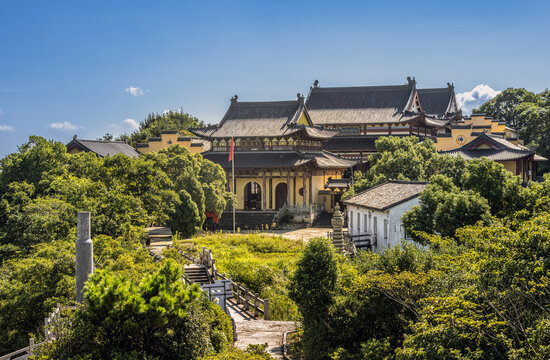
(132, 123)
(135, 91)
(470, 100)
(6, 128)
(65, 125)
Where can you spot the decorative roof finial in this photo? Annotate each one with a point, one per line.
(74, 137)
(234, 98)
(451, 85)
(411, 81)
(316, 83)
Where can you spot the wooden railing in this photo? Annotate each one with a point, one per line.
(243, 296)
(52, 329)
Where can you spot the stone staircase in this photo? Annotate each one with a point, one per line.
(158, 234)
(247, 220)
(197, 274)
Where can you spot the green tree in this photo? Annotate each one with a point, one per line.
(504, 105)
(444, 208)
(33, 160)
(406, 158)
(159, 318)
(313, 288)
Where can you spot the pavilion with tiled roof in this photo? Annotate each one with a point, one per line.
(516, 158)
(101, 148)
(278, 155)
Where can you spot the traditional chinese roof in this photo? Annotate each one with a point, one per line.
(264, 119)
(278, 159)
(492, 147)
(344, 183)
(438, 102)
(361, 104)
(103, 148)
(387, 195)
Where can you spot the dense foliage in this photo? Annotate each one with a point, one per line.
(42, 188)
(262, 263)
(483, 294)
(527, 111)
(158, 318)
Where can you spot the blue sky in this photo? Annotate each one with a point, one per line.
(67, 67)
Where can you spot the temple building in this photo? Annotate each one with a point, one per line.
(278, 154)
(172, 137)
(362, 114)
(516, 158)
(462, 131)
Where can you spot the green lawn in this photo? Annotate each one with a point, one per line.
(263, 263)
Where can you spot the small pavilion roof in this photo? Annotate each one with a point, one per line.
(499, 149)
(103, 148)
(387, 195)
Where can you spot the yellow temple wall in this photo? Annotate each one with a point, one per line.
(317, 184)
(450, 143)
(166, 141)
(510, 166)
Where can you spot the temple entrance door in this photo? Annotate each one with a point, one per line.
(252, 196)
(280, 195)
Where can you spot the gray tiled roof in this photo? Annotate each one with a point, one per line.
(360, 105)
(263, 119)
(436, 101)
(387, 195)
(104, 148)
(496, 155)
(502, 149)
(275, 159)
(338, 183)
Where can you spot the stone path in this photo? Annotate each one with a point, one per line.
(261, 332)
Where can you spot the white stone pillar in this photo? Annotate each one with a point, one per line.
(84, 253)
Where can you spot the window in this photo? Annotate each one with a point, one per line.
(375, 227)
(365, 222)
(358, 223)
(351, 222)
(385, 229)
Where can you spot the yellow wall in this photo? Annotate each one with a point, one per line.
(317, 183)
(510, 166)
(166, 141)
(450, 143)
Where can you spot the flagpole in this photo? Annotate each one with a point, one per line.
(233, 179)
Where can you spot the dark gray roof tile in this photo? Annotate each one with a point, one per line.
(104, 148)
(360, 105)
(387, 195)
